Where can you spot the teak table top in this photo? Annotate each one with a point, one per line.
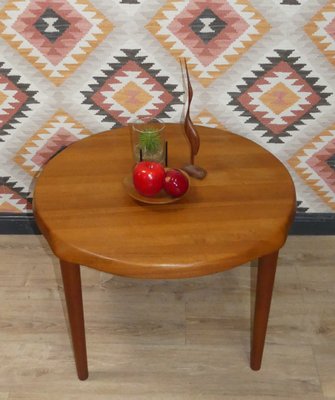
(241, 211)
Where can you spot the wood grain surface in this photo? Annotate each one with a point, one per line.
(241, 211)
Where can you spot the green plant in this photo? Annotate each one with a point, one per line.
(150, 141)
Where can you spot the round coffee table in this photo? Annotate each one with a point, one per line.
(240, 212)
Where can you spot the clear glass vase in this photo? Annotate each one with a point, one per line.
(148, 140)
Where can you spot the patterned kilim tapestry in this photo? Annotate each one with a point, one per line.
(263, 69)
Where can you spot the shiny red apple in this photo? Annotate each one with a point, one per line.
(175, 183)
(148, 178)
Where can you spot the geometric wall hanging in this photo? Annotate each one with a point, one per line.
(15, 99)
(282, 95)
(54, 36)
(212, 35)
(60, 131)
(263, 69)
(13, 198)
(321, 30)
(132, 85)
(315, 164)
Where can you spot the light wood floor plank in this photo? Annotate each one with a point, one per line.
(186, 339)
(325, 361)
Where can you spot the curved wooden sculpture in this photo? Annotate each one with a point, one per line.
(189, 128)
(191, 134)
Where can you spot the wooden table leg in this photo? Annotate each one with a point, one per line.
(74, 303)
(265, 280)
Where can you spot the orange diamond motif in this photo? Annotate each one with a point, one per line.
(3, 97)
(279, 98)
(132, 97)
(132, 85)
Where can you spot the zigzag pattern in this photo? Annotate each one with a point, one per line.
(59, 132)
(20, 102)
(314, 163)
(146, 72)
(321, 30)
(58, 60)
(13, 197)
(180, 42)
(284, 62)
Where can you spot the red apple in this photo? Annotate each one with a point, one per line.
(175, 183)
(148, 178)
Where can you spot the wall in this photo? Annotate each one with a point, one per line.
(261, 68)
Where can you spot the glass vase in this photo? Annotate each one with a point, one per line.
(148, 140)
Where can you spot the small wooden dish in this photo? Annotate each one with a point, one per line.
(160, 198)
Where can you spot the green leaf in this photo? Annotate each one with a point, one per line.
(150, 141)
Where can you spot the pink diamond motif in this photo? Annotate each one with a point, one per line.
(54, 36)
(53, 51)
(280, 96)
(256, 105)
(210, 34)
(206, 53)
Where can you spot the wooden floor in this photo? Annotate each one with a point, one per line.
(184, 339)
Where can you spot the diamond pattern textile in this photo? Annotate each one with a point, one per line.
(263, 69)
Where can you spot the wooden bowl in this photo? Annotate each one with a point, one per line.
(160, 198)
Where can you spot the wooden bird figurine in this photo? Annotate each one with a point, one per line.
(191, 134)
